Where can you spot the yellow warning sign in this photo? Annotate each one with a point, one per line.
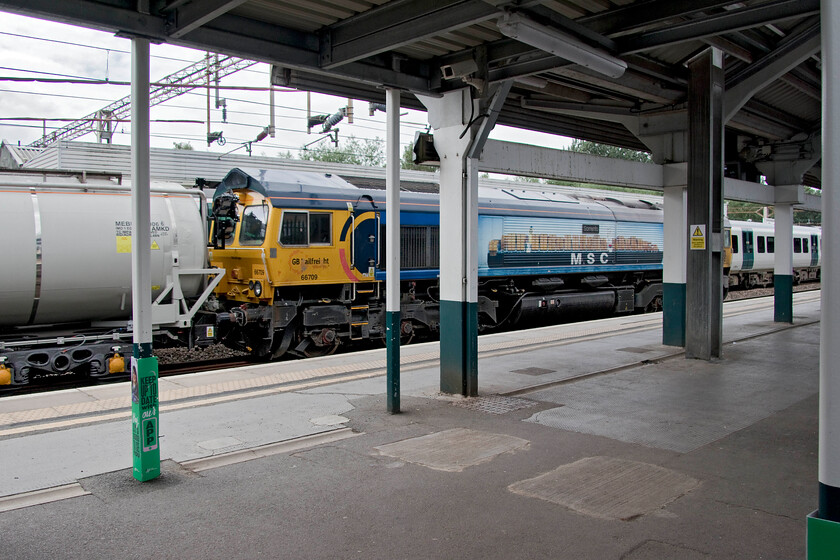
(123, 244)
(698, 237)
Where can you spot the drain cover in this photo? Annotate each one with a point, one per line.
(635, 350)
(534, 371)
(495, 404)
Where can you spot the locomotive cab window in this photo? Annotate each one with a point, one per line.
(734, 243)
(320, 228)
(252, 228)
(304, 228)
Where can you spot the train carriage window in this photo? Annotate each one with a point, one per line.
(771, 244)
(320, 228)
(252, 228)
(293, 230)
(797, 245)
(805, 245)
(734, 243)
(760, 243)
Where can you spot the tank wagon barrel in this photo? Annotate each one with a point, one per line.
(69, 270)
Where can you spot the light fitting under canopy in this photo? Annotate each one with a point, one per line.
(560, 44)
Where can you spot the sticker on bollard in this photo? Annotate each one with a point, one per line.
(144, 418)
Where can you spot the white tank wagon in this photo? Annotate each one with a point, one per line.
(67, 259)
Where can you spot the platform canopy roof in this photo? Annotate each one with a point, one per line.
(590, 69)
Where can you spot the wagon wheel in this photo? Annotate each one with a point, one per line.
(654, 305)
(315, 351)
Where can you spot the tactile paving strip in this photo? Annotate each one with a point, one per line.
(495, 404)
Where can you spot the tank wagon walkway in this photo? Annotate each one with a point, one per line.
(588, 441)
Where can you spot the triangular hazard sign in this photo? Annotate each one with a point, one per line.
(155, 245)
(697, 233)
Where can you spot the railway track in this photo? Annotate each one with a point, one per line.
(180, 361)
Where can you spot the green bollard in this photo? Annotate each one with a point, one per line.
(144, 418)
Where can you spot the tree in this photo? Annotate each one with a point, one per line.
(182, 145)
(605, 150)
(354, 151)
(407, 160)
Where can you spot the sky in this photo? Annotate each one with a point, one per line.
(43, 49)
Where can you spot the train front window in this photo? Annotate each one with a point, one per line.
(320, 228)
(294, 228)
(734, 243)
(252, 228)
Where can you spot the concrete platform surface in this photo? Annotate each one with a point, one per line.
(587, 441)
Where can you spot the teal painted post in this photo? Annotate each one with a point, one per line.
(392, 330)
(471, 349)
(673, 315)
(783, 298)
(144, 417)
(452, 346)
(823, 538)
(459, 348)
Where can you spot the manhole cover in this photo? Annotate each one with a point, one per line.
(534, 371)
(495, 404)
(453, 450)
(608, 488)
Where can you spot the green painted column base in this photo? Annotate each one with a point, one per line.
(392, 340)
(673, 314)
(783, 298)
(823, 538)
(459, 348)
(144, 418)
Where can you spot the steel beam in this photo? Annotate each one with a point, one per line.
(704, 291)
(755, 77)
(646, 12)
(264, 42)
(144, 385)
(829, 417)
(718, 24)
(783, 260)
(674, 265)
(533, 161)
(395, 24)
(195, 14)
(392, 249)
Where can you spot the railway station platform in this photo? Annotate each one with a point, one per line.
(588, 441)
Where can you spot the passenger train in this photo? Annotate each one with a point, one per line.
(753, 247)
(296, 266)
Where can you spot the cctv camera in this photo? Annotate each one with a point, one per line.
(458, 69)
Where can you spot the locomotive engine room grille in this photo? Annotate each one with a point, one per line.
(419, 247)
